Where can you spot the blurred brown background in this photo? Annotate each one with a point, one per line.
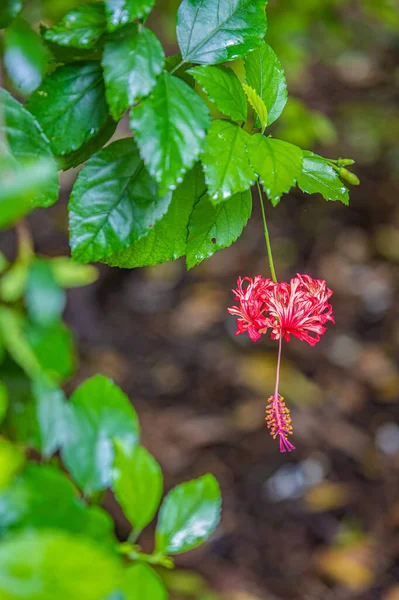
(323, 522)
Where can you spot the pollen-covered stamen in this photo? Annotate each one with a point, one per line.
(278, 420)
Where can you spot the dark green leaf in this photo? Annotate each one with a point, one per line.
(3, 401)
(99, 412)
(53, 348)
(44, 565)
(25, 57)
(167, 239)
(277, 163)
(69, 54)
(74, 159)
(225, 160)
(137, 483)
(170, 128)
(45, 300)
(24, 139)
(189, 515)
(174, 64)
(141, 582)
(224, 89)
(12, 460)
(8, 11)
(319, 177)
(82, 27)
(70, 106)
(114, 203)
(212, 32)
(212, 228)
(50, 417)
(120, 12)
(43, 497)
(133, 59)
(265, 74)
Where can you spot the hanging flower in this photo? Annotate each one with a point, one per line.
(251, 306)
(278, 420)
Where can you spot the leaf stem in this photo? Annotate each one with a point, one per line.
(177, 67)
(24, 241)
(267, 237)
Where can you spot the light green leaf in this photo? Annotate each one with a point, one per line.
(277, 163)
(50, 412)
(43, 565)
(319, 177)
(8, 11)
(120, 12)
(12, 459)
(45, 300)
(99, 413)
(133, 59)
(141, 582)
(170, 128)
(114, 203)
(212, 32)
(12, 334)
(137, 483)
(212, 228)
(167, 239)
(257, 104)
(3, 401)
(70, 106)
(189, 515)
(53, 348)
(76, 158)
(223, 88)
(82, 27)
(22, 137)
(225, 160)
(25, 57)
(265, 74)
(69, 274)
(12, 284)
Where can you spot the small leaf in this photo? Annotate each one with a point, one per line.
(43, 565)
(257, 104)
(167, 239)
(99, 412)
(53, 348)
(170, 128)
(223, 88)
(141, 582)
(69, 274)
(120, 12)
(212, 228)
(114, 203)
(12, 460)
(277, 163)
(319, 177)
(45, 300)
(28, 146)
(8, 11)
(12, 334)
(82, 27)
(70, 106)
(69, 54)
(212, 32)
(12, 284)
(137, 484)
(189, 515)
(133, 59)
(225, 160)
(265, 74)
(76, 158)
(50, 410)
(25, 57)
(3, 401)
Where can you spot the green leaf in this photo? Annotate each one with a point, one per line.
(74, 159)
(257, 104)
(3, 401)
(319, 177)
(212, 32)
(189, 515)
(45, 300)
(99, 412)
(69, 54)
(137, 483)
(223, 88)
(141, 582)
(277, 163)
(69, 274)
(8, 11)
(53, 348)
(167, 239)
(43, 565)
(12, 334)
(179, 68)
(22, 137)
(12, 459)
(70, 106)
(25, 57)
(133, 59)
(265, 74)
(225, 160)
(212, 228)
(12, 283)
(82, 27)
(50, 412)
(114, 202)
(170, 128)
(120, 12)
(43, 497)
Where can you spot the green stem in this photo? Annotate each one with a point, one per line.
(134, 534)
(177, 67)
(267, 238)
